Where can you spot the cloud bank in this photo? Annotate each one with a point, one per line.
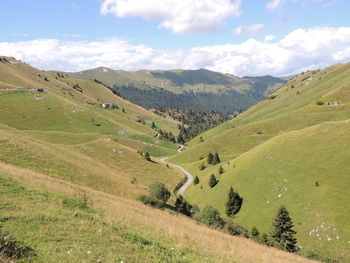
(300, 50)
(180, 16)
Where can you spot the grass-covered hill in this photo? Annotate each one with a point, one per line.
(65, 133)
(201, 89)
(69, 171)
(290, 149)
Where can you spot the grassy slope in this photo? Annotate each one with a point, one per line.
(64, 133)
(126, 230)
(302, 143)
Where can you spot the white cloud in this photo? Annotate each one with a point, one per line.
(274, 4)
(181, 16)
(300, 50)
(248, 30)
(269, 38)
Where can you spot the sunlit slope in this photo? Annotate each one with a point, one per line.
(286, 150)
(63, 132)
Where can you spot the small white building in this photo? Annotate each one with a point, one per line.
(107, 105)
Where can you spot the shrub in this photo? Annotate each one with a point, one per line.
(221, 170)
(210, 216)
(11, 248)
(201, 167)
(319, 102)
(151, 201)
(255, 234)
(158, 191)
(236, 229)
(272, 97)
(147, 156)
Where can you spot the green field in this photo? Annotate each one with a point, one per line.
(286, 150)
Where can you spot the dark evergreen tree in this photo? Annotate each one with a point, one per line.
(210, 158)
(265, 239)
(147, 156)
(212, 181)
(123, 110)
(234, 203)
(216, 159)
(153, 126)
(180, 139)
(201, 139)
(255, 235)
(282, 231)
(221, 170)
(196, 180)
(182, 206)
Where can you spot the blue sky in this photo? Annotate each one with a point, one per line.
(246, 37)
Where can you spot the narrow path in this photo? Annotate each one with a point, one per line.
(189, 181)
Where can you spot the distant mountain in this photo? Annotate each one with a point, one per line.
(200, 89)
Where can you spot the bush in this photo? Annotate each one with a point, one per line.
(11, 248)
(201, 167)
(236, 229)
(319, 102)
(210, 216)
(182, 206)
(196, 180)
(158, 191)
(272, 97)
(151, 201)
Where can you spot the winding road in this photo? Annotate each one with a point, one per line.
(189, 181)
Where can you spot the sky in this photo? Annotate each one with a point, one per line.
(241, 37)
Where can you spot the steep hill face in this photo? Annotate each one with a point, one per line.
(186, 89)
(290, 149)
(55, 125)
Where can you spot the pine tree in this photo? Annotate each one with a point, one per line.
(123, 110)
(216, 159)
(201, 167)
(210, 158)
(212, 181)
(201, 139)
(282, 231)
(265, 239)
(255, 234)
(234, 203)
(147, 156)
(196, 180)
(153, 125)
(221, 170)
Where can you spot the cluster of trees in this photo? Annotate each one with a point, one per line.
(282, 234)
(213, 159)
(146, 155)
(168, 136)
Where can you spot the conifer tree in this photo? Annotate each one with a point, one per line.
(255, 234)
(282, 231)
(216, 159)
(221, 170)
(210, 158)
(201, 167)
(196, 180)
(265, 239)
(212, 181)
(147, 156)
(201, 139)
(153, 125)
(234, 203)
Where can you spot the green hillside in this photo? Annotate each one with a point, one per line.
(290, 149)
(64, 132)
(201, 89)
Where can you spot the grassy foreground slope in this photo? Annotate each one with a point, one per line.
(287, 150)
(63, 132)
(81, 224)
